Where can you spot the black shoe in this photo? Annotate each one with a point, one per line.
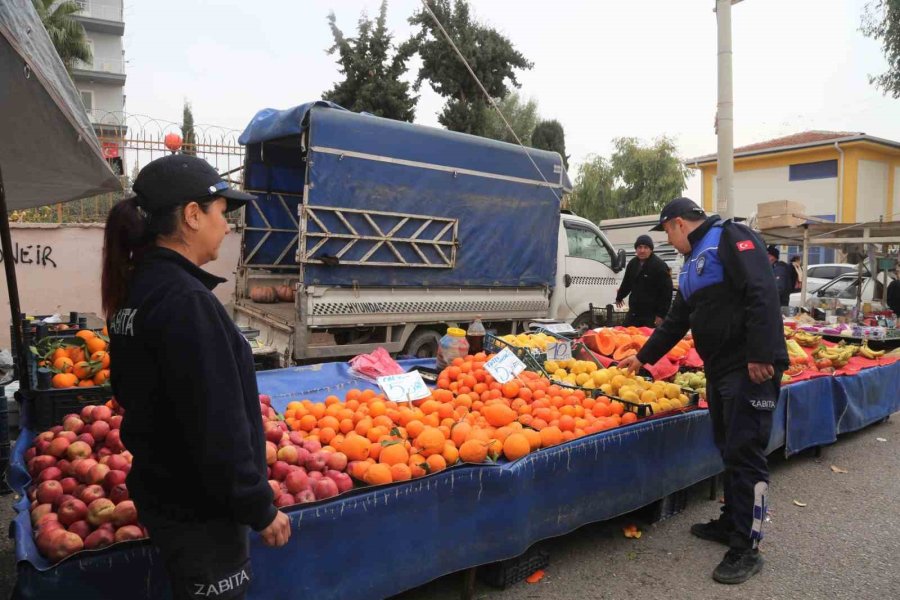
(717, 530)
(738, 566)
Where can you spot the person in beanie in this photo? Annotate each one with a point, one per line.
(797, 275)
(727, 299)
(185, 376)
(784, 278)
(647, 284)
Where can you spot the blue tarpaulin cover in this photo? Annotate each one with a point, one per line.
(348, 547)
(508, 215)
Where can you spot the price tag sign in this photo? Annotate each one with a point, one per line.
(559, 328)
(404, 387)
(559, 351)
(505, 366)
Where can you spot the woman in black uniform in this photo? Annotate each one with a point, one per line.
(184, 374)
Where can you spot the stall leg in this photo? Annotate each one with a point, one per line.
(714, 487)
(468, 587)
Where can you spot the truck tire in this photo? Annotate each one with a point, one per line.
(423, 343)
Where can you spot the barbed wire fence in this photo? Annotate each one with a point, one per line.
(129, 142)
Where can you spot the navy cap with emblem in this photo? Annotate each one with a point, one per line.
(677, 208)
(178, 179)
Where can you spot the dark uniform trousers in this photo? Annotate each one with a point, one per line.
(204, 559)
(741, 413)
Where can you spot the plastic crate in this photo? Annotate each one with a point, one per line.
(505, 573)
(665, 508)
(533, 359)
(606, 316)
(43, 409)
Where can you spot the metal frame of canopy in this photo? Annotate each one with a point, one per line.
(816, 232)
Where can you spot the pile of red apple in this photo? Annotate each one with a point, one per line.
(299, 470)
(78, 495)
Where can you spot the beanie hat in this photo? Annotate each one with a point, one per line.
(644, 240)
(773, 251)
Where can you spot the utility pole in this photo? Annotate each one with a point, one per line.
(725, 113)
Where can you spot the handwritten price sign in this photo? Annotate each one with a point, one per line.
(559, 351)
(405, 387)
(505, 366)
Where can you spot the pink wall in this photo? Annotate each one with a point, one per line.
(58, 270)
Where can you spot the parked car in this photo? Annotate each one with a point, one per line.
(844, 289)
(819, 275)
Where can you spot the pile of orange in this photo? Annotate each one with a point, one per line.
(469, 418)
(81, 364)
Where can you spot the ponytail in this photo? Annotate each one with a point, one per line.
(127, 235)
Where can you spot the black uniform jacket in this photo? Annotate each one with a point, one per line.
(737, 319)
(184, 374)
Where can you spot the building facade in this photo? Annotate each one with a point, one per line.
(102, 82)
(845, 177)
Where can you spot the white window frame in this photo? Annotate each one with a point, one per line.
(90, 94)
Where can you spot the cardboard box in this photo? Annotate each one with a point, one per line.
(777, 221)
(779, 208)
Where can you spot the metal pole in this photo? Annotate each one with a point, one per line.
(12, 286)
(804, 264)
(725, 114)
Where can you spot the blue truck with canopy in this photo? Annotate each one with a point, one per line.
(388, 231)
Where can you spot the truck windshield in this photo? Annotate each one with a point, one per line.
(584, 243)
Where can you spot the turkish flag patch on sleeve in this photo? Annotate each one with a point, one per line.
(745, 245)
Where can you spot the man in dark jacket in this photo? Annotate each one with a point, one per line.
(648, 281)
(727, 298)
(784, 277)
(893, 293)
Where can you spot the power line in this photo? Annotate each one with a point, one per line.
(488, 96)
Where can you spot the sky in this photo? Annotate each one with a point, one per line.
(603, 68)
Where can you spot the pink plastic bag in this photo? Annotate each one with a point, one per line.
(377, 364)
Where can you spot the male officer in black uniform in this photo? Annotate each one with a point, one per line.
(727, 298)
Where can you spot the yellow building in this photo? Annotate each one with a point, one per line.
(839, 176)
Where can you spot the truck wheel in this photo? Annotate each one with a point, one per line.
(423, 344)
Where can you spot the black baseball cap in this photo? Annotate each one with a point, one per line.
(180, 178)
(677, 208)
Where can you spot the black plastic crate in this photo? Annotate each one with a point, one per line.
(43, 409)
(509, 572)
(666, 507)
(4, 466)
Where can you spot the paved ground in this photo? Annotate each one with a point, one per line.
(844, 544)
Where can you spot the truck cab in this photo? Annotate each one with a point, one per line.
(587, 268)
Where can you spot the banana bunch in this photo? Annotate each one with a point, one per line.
(852, 347)
(788, 332)
(804, 338)
(837, 355)
(794, 349)
(867, 352)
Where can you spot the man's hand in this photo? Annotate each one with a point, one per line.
(631, 363)
(658, 321)
(278, 532)
(620, 303)
(760, 372)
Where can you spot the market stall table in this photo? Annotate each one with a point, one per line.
(360, 545)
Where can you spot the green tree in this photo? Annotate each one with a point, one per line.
(188, 135)
(372, 67)
(549, 135)
(637, 180)
(491, 56)
(522, 116)
(594, 193)
(881, 21)
(65, 32)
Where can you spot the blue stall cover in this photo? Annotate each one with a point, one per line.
(545, 494)
(508, 211)
(361, 545)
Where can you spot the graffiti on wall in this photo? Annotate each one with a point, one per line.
(32, 254)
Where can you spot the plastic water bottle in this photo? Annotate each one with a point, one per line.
(475, 335)
(452, 345)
